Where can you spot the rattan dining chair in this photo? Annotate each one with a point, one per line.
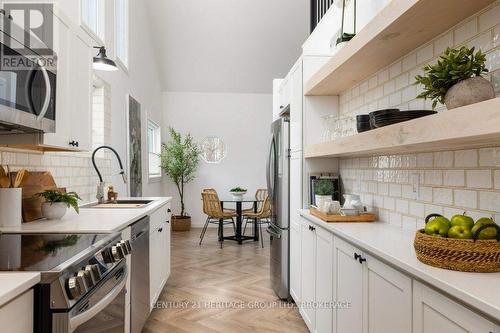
(260, 195)
(213, 209)
(261, 217)
(212, 190)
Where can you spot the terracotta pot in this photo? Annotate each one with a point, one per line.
(181, 223)
(470, 91)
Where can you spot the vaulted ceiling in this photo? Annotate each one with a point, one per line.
(230, 46)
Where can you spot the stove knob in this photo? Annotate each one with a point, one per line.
(74, 290)
(117, 252)
(127, 246)
(95, 274)
(86, 278)
(107, 256)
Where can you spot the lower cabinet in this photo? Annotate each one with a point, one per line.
(345, 290)
(20, 308)
(436, 313)
(159, 252)
(316, 276)
(379, 297)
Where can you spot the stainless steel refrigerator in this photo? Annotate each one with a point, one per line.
(278, 184)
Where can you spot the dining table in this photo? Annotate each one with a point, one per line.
(237, 203)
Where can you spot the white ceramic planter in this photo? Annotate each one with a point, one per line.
(238, 195)
(54, 211)
(470, 91)
(10, 207)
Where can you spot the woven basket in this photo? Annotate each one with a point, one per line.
(466, 255)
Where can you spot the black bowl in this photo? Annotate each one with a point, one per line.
(363, 126)
(363, 118)
(381, 112)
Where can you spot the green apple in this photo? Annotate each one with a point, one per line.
(462, 220)
(487, 233)
(460, 232)
(438, 226)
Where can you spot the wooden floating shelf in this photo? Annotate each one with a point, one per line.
(402, 26)
(471, 126)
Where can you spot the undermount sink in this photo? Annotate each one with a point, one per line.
(124, 204)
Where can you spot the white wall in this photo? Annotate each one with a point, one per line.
(141, 81)
(242, 120)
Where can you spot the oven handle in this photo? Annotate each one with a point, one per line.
(48, 92)
(90, 313)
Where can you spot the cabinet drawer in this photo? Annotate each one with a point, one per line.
(20, 308)
(159, 216)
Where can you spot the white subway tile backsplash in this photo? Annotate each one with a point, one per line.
(425, 160)
(454, 177)
(395, 190)
(409, 62)
(383, 76)
(402, 206)
(443, 159)
(383, 188)
(389, 87)
(466, 158)
(425, 54)
(409, 223)
(425, 193)
(443, 196)
(466, 31)
(433, 209)
(483, 42)
(489, 19)
(395, 219)
(395, 69)
(479, 179)
(497, 179)
(489, 201)
(487, 157)
(417, 209)
(442, 43)
(433, 177)
(465, 198)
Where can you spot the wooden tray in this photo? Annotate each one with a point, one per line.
(332, 218)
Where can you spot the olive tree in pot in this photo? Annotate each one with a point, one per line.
(179, 160)
(455, 80)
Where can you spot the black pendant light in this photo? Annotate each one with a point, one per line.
(102, 62)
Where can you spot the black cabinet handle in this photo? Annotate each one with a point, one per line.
(361, 260)
(160, 230)
(357, 256)
(74, 143)
(312, 228)
(169, 210)
(168, 221)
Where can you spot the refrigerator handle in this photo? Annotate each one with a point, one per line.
(270, 186)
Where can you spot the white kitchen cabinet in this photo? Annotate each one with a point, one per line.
(436, 313)
(380, 297)
(295, 257)
(308, 275)
(296, 106)
(159, 251)
(348, 287)
(324, 281)
(74, 50)
(388, 298)
(316, 277)
(17, 315)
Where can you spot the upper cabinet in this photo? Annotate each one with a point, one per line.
(74, 50)
(296, 106)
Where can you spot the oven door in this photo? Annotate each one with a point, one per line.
(27, 89)
(102, 311)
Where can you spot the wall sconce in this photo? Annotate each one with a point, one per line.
(102, 62)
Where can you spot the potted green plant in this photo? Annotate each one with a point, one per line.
(57, 202)
(455, 80)
(238, 192)
(323, 190)
(179, 160)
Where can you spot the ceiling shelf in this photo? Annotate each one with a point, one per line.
(470, 126)
(402, 26)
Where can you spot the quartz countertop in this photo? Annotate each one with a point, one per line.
(13, 284)
(91, 220)
(395, 246)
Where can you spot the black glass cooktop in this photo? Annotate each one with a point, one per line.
(41, 252)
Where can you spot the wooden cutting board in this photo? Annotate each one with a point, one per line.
(34, 183)
(332, 218)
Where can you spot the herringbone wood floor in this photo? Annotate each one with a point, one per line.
(236, 273)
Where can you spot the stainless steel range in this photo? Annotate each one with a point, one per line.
(83, 279)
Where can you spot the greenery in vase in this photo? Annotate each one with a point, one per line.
(454, 65)
(53, 196)
(238, 189)
(179, 160)
(323, 187)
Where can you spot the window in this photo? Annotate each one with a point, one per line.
(154, 149)
(122, 31)
(92, 15)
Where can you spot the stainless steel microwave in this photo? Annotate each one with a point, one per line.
(27, 82)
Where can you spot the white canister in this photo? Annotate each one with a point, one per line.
(10, 207)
